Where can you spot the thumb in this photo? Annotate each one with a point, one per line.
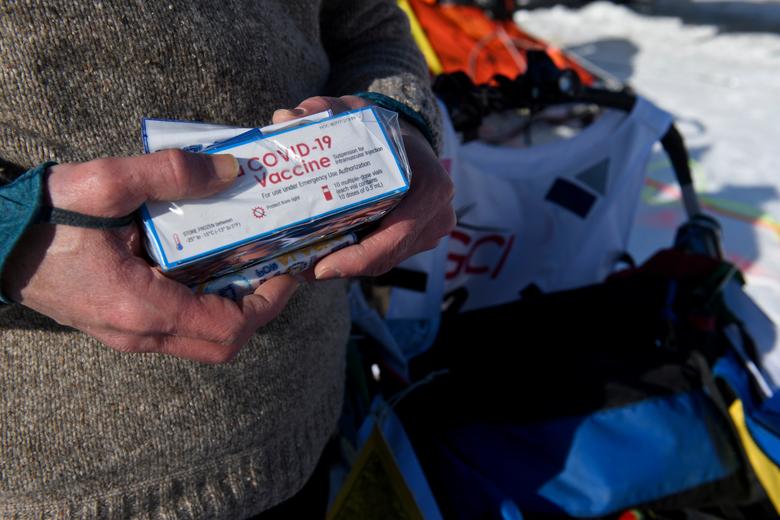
(268, 300)
(288, 114)
(118, 186)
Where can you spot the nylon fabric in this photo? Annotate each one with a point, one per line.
(765, 468)
(20, 205)
(505, 209)
(463, 37)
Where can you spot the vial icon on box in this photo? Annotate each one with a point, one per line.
(177, 241)
(326, 192)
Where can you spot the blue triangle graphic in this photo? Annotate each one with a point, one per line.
(596, 177)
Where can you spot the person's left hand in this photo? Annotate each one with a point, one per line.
(420, 220)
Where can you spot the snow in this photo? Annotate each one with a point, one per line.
(715, 65)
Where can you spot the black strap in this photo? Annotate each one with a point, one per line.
(72, 218)
(404, 278)
(542, 85)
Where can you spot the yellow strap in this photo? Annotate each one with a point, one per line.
(422, 40)
(767, 471)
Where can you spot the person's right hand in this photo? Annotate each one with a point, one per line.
(98, 282)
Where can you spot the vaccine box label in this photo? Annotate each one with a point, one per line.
(289, 181)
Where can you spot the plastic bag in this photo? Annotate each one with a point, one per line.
(296, 186)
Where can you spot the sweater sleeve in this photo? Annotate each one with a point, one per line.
(371, 48)
(20, 203)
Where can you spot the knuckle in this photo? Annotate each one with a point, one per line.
(359, 258)
(315, 103)
(230, 333)
(373, 266)
(104, 184)
(177, 168)
(382, 266)
(219, 317)
(129, 317)
(262, 310)
(136, 322)
(175, 159)
(126, 347)
(225, 355)
(406, 238)
(126, 344)
(399, 244)
(102, 166)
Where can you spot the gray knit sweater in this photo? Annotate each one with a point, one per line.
(87, 432)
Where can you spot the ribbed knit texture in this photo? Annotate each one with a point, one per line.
(90, 432)
(87, 432)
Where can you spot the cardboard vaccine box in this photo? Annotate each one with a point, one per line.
(295, 187)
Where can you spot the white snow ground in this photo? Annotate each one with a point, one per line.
(715, 65)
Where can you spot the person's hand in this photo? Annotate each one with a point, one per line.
(419, 221)
(97, 280)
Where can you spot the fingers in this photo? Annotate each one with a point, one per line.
(181, 347)
(177, 311)
(419, 221)
(118, 186)
(130, 306)
(416, 224)
(216, 319)
(204, 328)
(268, 300)
(257, 310)
(375, 255)
(319, 104)
(394, 241)
(283, 115)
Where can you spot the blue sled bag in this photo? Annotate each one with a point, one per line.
(589, 402)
